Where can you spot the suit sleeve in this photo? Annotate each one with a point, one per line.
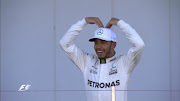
(137, 45)
(69, 47)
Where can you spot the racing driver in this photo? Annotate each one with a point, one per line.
(105, 69)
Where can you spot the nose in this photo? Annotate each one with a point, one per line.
(98, 46)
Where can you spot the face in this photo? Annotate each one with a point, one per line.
(104, 49)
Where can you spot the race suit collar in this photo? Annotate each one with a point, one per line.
(107, 60)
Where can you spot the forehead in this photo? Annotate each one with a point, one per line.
(99, 40)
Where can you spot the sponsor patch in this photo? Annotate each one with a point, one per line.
(102, 84)
(113, 71)
(93, 71)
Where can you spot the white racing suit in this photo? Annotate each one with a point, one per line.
(100, 77)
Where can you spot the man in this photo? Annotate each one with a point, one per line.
(105, 70)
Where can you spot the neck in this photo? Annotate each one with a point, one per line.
(111, 55)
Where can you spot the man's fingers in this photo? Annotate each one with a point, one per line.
(109, 25)
(99, 23)
(94, 20)
(112, 22)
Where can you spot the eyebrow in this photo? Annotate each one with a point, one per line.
(101, 40)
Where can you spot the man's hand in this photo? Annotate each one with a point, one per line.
(94, 20)
(112, 22)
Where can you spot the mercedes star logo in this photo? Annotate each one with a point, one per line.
(99, 32)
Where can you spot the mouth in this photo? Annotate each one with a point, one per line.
(99, 52)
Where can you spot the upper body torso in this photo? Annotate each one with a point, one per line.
(115, 72)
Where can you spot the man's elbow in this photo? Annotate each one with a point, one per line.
(61, 43)
(64, 44)
(141, 45)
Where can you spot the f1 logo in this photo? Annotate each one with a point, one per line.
(24, 87)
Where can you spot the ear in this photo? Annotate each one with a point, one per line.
(114, 44)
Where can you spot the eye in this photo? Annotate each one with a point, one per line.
(103, 42)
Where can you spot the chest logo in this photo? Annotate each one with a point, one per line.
(93, 71)
(103, 84)
(113, 71)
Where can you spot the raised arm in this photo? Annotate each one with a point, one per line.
(137, 45)
(68, 45)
